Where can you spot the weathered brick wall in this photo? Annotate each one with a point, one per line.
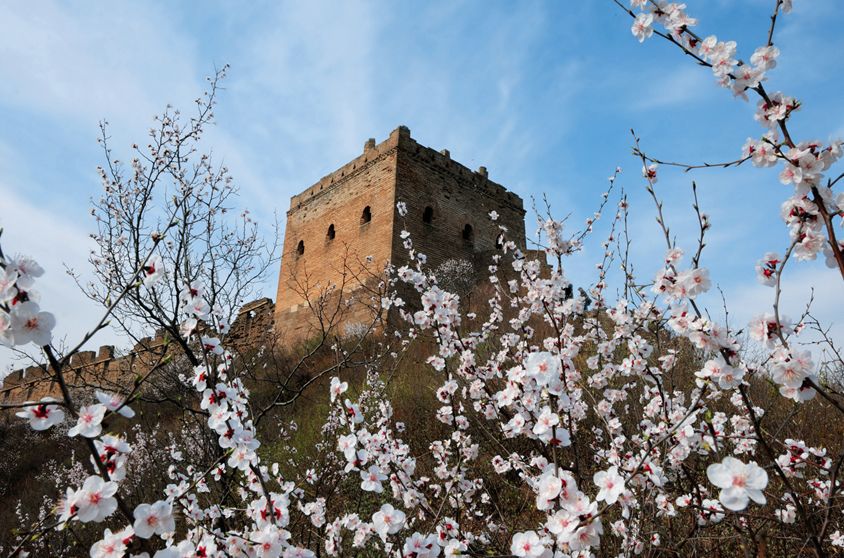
(457, 197)
(338, 199)
(86, 369)
(253, 327)
(398, 169)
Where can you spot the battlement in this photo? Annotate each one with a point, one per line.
(103, 368)
(401, 140)
(99, 367)
(479, 179)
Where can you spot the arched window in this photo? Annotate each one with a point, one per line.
(366, 216)
(300, 249)
(331, 234)
(428, 215)
(468, 233)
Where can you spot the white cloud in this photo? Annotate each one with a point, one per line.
(311, 81)
(70, 67)
(53, 241)
(683, 86)
(801, 283)
(84, 63)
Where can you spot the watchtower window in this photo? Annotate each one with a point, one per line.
(366, 216)
(468, 233)
(300, 248)
(331, 232)
(428, 215)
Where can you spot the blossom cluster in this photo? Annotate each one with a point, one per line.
(21, 319)
(803, 164)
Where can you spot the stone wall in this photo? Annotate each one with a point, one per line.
(86, 368)
(252, 327)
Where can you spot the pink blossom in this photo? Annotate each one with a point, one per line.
(527, 544)
(388, 520)
(738, 482)
(371, 479)
(115, 403)
(154, 519)
(610, 483)
(337, 388)
(30, 324)
(112, 545)
(96, 501)
(152, 271)
(43, 415)
(642, 26)
(89, 422)
(421, 546)
(8, 290)
(26, 270)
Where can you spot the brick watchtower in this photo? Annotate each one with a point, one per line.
(347, 223)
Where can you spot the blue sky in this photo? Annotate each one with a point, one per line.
(541, 93)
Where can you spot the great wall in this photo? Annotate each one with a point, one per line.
(345, 222)
(106, 369)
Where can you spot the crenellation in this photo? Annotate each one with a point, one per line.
(106, 352)
(82, 358)
(252, 327)
(370, 155)
(481, 176)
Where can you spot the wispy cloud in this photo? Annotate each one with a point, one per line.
(82, 63)
(54, 241)
(66, 68)
(812, 282)
(671, 87)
